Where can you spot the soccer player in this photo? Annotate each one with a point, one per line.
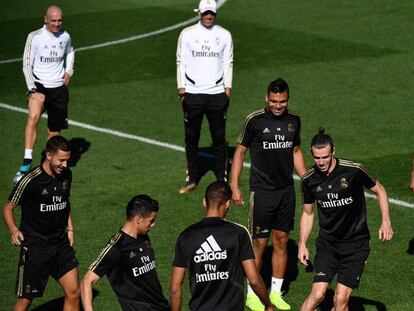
(217, 254)
(47, 66)
(204, 81)
(336, 186)
(272, 134)
(46, 233)
(128, 261)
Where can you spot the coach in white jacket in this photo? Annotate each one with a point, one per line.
(204, 81)
(47, 66)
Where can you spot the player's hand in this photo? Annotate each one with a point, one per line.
(17, 237)
(237, 196)
(71, 237)
(181, 94)
(303, 254)
(66, 78)
(385, 232)
(412, 184)
(228, 91)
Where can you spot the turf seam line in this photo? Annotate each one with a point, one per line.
(128, 39)
(167, 145)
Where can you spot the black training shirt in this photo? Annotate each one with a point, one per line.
(44, 201)
(129, 265)
(271, 140)
(212, 250)
(340, 200)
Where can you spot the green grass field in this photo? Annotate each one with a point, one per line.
(350, 69)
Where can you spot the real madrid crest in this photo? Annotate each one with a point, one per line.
(343, 183)
(291, 128)
(65, 185)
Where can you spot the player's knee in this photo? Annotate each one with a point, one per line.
(260, 243)
(280, 240)
(33, 119)
(340, 300)
(73, 294)
(318, 296)
(22, 304)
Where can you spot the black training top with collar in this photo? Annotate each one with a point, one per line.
(212, 251)
(271, 140)
(340, 200)
(44, 202)
(129, 264)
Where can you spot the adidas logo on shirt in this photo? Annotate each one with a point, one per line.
(266, 130)
(209, 251)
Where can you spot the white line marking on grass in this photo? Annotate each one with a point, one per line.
(166, 145)
(128, 39)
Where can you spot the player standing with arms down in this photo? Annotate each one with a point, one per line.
(272, 135)
(217, 254)
(47, 66)
(204, 81)
(343, 245)
(46, 233)
(128, 261)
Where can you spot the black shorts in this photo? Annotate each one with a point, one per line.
(56, 105)
(271, 211)
(347, 260)
(38, 262)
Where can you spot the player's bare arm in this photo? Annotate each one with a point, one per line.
(299, 161)
(16, 235)
(176, 288)
(71, 230)
(385, 232)
(306, 224)
(236, 169)
(256, 282)
(88, 281)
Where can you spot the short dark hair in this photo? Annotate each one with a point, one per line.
(56, 143)
(278, 86)
(141, 204)
(322, 140)
(217, 193)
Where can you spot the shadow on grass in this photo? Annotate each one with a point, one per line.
(78, 146)
(207, 163)
(355, 303)
(410, 249)
(57, 303)
(292, 271)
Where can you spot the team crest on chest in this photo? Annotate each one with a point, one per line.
(65, 185)
(344, 183)
(291, 128)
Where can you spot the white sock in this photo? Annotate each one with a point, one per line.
(28, 153)
(276, 284)
(250, 289)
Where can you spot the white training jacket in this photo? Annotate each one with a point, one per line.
(204, 59)
(44, 56)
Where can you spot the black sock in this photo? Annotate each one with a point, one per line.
(27, 161)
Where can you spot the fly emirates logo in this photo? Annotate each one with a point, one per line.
(334, 201)
(279, 143)
(57, 205)
(210, 251)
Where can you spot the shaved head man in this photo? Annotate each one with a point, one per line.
(48, 60)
